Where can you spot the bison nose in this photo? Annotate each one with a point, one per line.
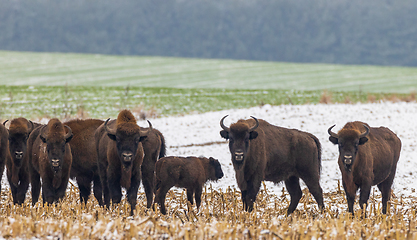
(127, 156)
(55, 162)
(19, 155)
(238, 156)
(348, 159)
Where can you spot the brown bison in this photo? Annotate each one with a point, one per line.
(154, 148)
(261, 151)
(4, 152)
(84, 157)
(186, 172)
(120, 156)
(17, 160)
(50, 159)
(367, 156)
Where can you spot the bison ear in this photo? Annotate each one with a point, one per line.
(111, 136)
(253, 135)
(333, 140)
(224, 134)
(363, 140)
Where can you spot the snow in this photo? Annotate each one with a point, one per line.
(183, 133)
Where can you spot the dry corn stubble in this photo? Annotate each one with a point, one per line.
(220, 216)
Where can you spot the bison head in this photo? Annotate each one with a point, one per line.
(127, 136)
(55, 138)
(348, 141)
(239, 135)
(217, 172)
(19, 131)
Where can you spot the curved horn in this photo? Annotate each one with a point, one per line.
(222, 124)
(143, 133)
(331, 132)
(365, 133)
(4, 123)
(108, 130)
(256, 125)
(31, 126)
(69, 133)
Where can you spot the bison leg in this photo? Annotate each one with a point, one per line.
(98, 190)
(35, 181)
(48, 195)
(104, 184)
(22, 189)
(84, 185)
(385, 188)
(190, 193)
(115, 190)
(294, 189)
(148, 183)
(315, 189)
(250, 195)
(160, 197)
(198, 192)
(364, 196)
(132, 194)
(350, 197)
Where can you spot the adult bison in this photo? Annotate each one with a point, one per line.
(84, 157)
(4, 142)
(17, 161)
(187, 172)
(154, 148)
(120, 156)
(50, 159)
(261, 151)
(367, 156)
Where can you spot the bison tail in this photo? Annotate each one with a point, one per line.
(318, 153)
(162, 152)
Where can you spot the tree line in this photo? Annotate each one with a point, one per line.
(376, 32)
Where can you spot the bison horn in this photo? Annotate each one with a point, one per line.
(108, 130)
(144, 133)
(30, 127)
(365, 133)
(256, 125)
(332, 133)
(222, 124)
(4, 123)
(69, 133)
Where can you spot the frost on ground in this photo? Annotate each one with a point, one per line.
(198, 135)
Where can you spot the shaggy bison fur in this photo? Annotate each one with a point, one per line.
(261, 151)
(186, 172)
(368, 156)
(50, 159)
(120, 156)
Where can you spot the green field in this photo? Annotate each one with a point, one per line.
(23, 68)
(36, 85)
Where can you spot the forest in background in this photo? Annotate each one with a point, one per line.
(373, 32)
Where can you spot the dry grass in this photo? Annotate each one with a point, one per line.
(220, 217)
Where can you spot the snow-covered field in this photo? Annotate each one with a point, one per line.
(182, 132)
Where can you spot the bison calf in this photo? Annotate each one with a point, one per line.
(186, 172)
(367, 156)
(50, 159)
(261, 151)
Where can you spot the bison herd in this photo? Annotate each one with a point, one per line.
(115, 154)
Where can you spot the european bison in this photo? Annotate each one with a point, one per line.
(261, 151)
(50, 159)
(17, 161)
(154, 148)
(84, 157)
(186, 172)
(120, 155)
(4, 142)
(367, 156)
